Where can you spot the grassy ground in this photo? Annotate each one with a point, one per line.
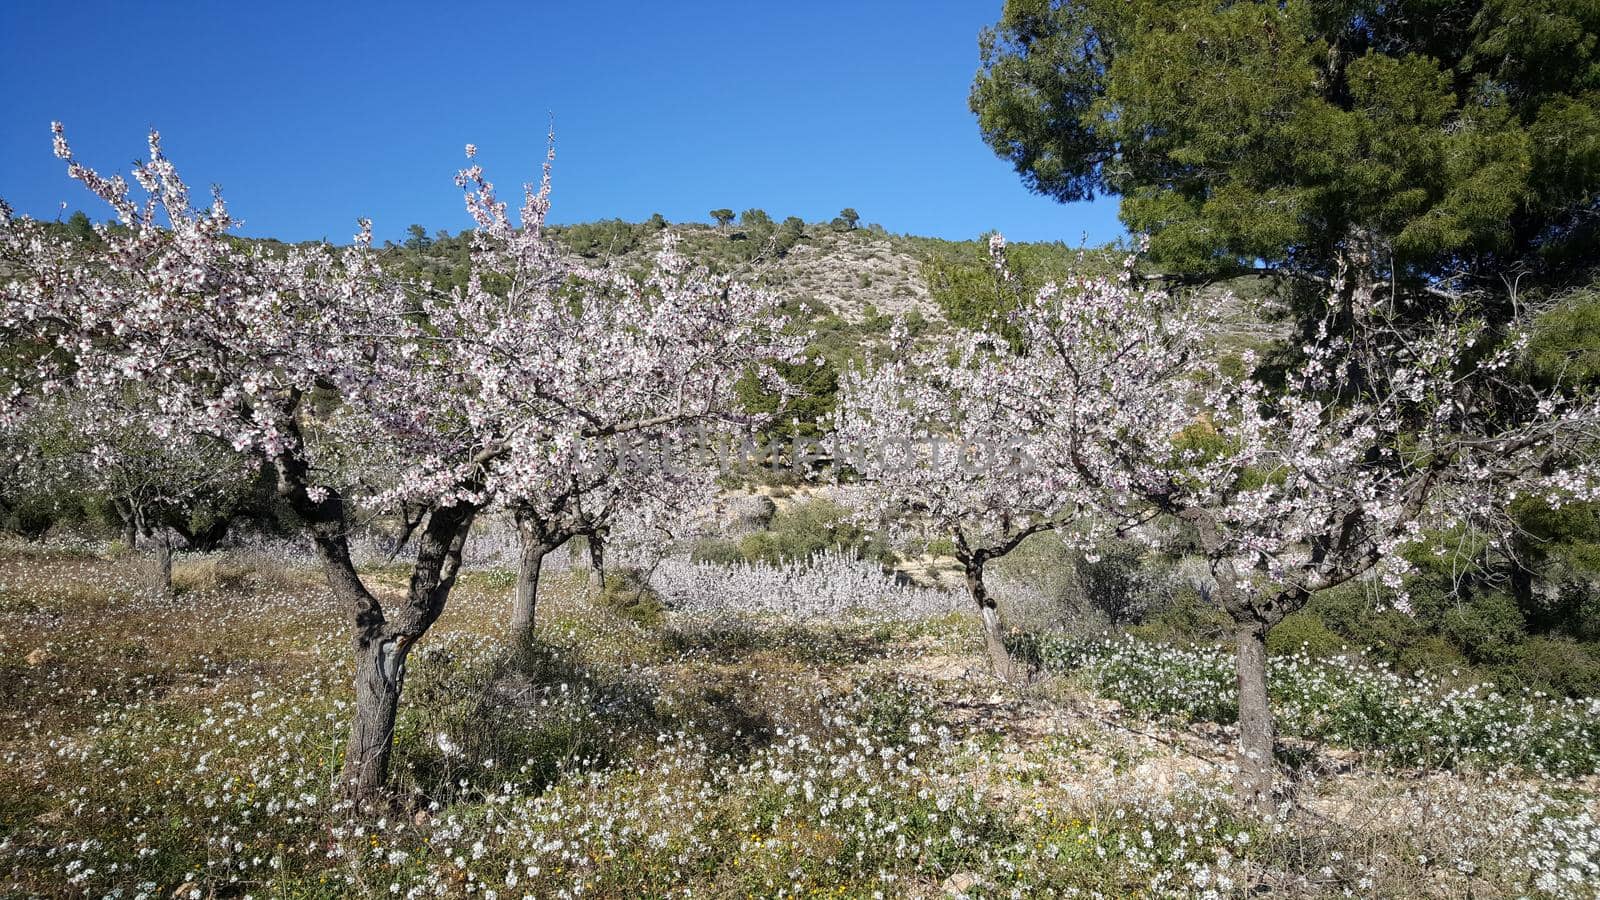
(185, 747)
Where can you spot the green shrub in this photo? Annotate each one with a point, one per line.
(30, 518)
(1558, 666)
(1487, 629)
(1352, 612)
(1303, 632)
(807, 528)
(716, 550)
(1432, 654)
(627, 593)
(1120, 583)
(762, 546)
(1186, 617)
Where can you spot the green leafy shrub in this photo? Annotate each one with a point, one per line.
(1304, 633)
(1185, 617)
(805, 529)
(627, 593)
(1487, 629)
(1559, 666)
(716, 550)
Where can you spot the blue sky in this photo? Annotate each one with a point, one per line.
(310, 115)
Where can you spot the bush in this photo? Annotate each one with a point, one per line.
(607, 237)
(628, 594)
(1487, 629)
(764, 546)
(1186, 617)
(1431, 654)
(802, 531)
(1117, 585)
(1557, 666)
(1304, 633)
(716, 550)
(1120, 583)
(30, 518)
(477, 722)
(1351, 612)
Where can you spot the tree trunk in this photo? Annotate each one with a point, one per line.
(1256, 763)
(381, 641)
(161, 563)
(130, 526)
(380, 673)
(994, 637)
(525, 600)
(597, 562)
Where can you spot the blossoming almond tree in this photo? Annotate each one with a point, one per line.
(1288, 491)
(652, 477)
(299, 357)
(594, 415)
(156, 484)
(939, 446)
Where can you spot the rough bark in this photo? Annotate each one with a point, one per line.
(380, 642)
(161, 563)
(1253, 784)
(381, 648)
(525, 599)
(994, 638)
(158, 568)
(380, 675)
(597, 561)
(130, 525)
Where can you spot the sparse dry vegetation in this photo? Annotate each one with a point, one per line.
(152, 751)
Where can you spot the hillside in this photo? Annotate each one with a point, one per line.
(848, 285)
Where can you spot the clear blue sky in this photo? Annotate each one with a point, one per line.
(310, 115)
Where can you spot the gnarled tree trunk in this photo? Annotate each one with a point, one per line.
(1257, 766)
(129, 523)
(381, 642)
(994, 635)
(158, 568)
(380, 675)
(597, 560)
(525, 597)
(161, 563)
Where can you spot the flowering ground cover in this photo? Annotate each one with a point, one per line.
(858, 754)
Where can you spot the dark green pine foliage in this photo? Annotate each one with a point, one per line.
(1452, 139)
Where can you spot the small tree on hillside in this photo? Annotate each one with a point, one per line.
(788, 235)
(723, 217)
(848, 219)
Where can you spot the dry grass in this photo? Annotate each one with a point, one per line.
(158, 745)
